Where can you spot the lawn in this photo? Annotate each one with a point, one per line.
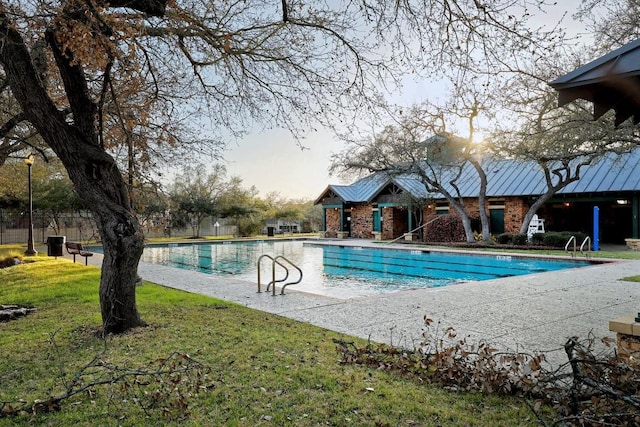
(201, 361)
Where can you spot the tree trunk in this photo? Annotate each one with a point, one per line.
(482, 200)
(100, 184)
(563, 181)
(524, 228)
(464, 217)
(123, 244)
(94, 173)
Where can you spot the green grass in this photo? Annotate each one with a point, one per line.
(264, 369)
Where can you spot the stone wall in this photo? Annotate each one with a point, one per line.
(471, 207)
(395, 222)
(332, 218)
(515, 209)
(361, 221)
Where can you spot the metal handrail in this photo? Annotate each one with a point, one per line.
(273, 281)
(566, 247)
(586, 240)
(273, 273)
(290, 283)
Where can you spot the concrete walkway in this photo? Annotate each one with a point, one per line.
(530, 313)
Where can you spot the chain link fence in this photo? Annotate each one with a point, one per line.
(80, 227)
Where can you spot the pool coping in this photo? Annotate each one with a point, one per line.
(488, 252)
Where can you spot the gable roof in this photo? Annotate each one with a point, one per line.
(363, 190)
(610, 82)
(505, 178)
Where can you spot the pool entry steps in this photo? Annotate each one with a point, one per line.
(586, 241)
(273, 281)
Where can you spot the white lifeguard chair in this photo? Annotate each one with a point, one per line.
(535, 226)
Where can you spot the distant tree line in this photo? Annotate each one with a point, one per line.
(195, 195)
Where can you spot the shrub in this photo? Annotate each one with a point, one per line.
(445, 228)
(555, 239)
(559, 239)
(519, 239)
(249, 226)
(504, 238)
(580, 236)
(537, 239)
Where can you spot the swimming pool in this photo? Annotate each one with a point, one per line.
(349, 271)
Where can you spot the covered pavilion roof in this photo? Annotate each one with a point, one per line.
(610, 82)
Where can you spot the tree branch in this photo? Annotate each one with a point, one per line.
(150, 7)
(10, 124)
(22, 75)
(82, 106)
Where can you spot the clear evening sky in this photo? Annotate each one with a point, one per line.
(271, 160)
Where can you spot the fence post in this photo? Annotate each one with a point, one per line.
(42, 226)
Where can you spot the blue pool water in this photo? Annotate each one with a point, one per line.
(344, 271)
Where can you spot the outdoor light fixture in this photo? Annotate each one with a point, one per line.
(622, 202)
(30, 249)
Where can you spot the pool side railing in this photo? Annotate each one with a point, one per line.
(566, 247)
(273, 281)
(586, 241)
(290, 283)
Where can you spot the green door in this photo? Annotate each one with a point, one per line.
(376, 220)
(496, 220)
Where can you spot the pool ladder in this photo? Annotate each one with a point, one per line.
(586, 241)
(273, 281)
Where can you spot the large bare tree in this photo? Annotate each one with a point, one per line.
(96, 78)
(562, 141)
(419, 144)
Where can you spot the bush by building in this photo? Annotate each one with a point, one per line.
(504, 238)
(520, 239)
(559, 239)
(445, 228)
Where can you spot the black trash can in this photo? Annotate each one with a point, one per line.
(55, 245)
(270, 231)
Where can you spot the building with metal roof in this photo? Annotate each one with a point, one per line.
(384, 206)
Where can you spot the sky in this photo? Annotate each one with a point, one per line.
(273, 162)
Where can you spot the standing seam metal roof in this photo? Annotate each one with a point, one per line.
(508, 177)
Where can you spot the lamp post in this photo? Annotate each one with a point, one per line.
(30, 249)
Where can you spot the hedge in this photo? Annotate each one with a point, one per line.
(520, 239)
(559, 239)
(504, 238)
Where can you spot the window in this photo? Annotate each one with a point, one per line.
(442, 208)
